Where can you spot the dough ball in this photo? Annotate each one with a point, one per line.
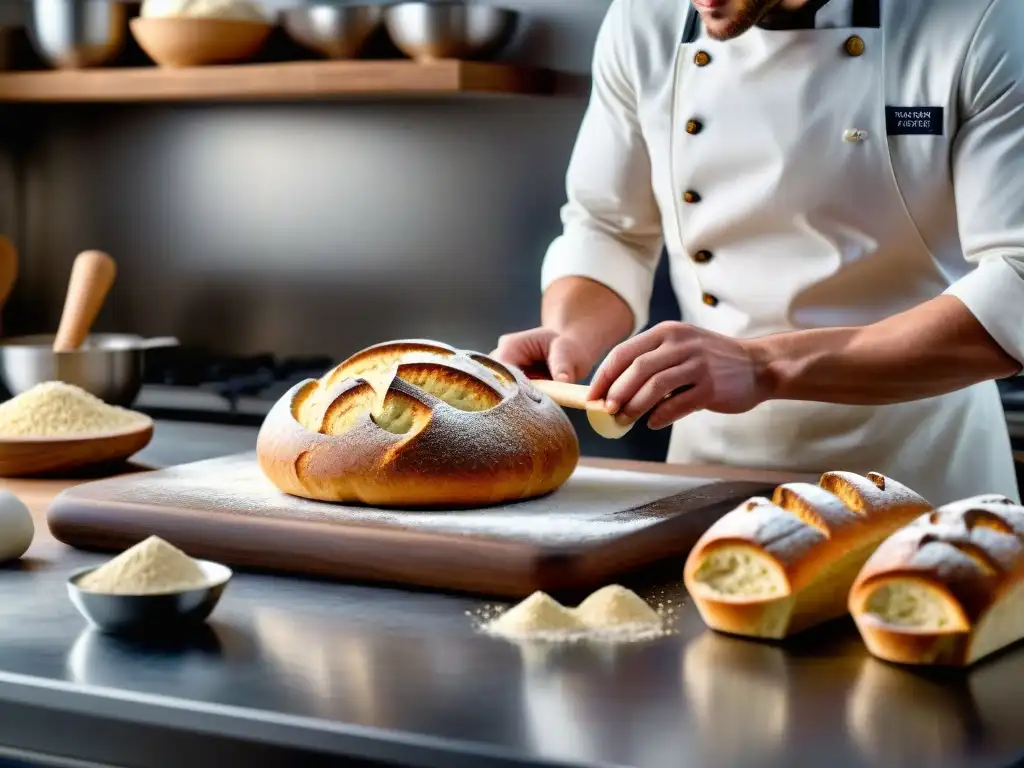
(245, 10)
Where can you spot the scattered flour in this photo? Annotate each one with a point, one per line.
(150, 567)
(57, 409)
(611, 614)
(591, 507)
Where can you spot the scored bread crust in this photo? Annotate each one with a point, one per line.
(773, 567)
(417, 423)
(948, 589)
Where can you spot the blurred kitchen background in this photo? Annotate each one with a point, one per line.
(305, 230)
(276, 238)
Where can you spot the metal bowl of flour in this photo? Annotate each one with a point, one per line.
(107, 365)
(154, 614)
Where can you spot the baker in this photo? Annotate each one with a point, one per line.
(839, 186)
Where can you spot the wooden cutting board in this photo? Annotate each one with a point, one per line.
(601, 524)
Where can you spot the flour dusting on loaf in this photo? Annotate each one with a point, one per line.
(862, 493)
(773, 567)
(417, 424)
(948, 589)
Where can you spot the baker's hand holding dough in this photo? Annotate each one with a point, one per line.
(674, 369)
(580, 321)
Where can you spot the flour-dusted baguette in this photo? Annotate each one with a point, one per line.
(771, 568)
(948, 589)
(417, 423)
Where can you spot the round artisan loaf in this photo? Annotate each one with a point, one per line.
(417, 424)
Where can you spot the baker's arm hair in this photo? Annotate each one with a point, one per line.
(975, 331)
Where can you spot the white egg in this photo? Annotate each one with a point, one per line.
(16, 527)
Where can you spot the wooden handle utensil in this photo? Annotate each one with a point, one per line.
(562, 392)
(8, 268)
(91, 277)
(575, 396)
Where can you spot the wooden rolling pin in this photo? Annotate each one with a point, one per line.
(92, 274)
(575, 396)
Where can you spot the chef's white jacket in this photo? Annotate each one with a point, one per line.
(822, 176)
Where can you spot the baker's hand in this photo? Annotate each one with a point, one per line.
(707, 371)
(558, 355)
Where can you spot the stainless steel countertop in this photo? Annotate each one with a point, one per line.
(390, 674)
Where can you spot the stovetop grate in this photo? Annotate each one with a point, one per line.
(262, 376)
(195, 385)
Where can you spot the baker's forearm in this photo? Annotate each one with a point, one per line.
(935, 348)
(595, 316)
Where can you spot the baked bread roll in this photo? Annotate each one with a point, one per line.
(771, 568)
(948, 589)
(417, 424)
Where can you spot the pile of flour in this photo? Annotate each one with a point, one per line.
(612, 613)
(150, 567)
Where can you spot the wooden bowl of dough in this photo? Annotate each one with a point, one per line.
(188, 42)
(28, 456)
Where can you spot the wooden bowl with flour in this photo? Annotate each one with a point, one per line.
(57, 427)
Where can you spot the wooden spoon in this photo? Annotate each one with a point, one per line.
(8, 268)
(575, 396)
(91, 277)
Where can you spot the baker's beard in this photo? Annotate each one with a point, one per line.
(734, 19)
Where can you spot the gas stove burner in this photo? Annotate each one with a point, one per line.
(261, 376)
(309, 367)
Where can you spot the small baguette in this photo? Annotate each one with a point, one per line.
(772, 568)
(948, 589)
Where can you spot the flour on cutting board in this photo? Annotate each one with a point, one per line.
(594, 504)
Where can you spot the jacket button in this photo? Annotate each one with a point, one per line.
(702, 58)
(689, 196)
(702, 257)
(854, 45)
(693, 127)
(711, 301)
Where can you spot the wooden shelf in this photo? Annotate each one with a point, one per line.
(290, 81)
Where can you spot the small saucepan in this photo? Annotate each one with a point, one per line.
(109, 365)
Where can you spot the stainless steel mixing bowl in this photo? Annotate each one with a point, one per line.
(72, 34)
(334, 31)
(450, 30)
(108, 366)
